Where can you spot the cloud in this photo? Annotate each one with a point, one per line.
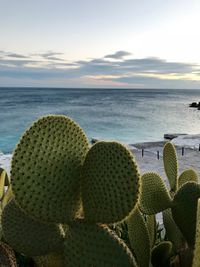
(50, 55)
(149, 72)
(118, 55)
(17, 63)
(16, 55)
(54, 58)
(156, 65)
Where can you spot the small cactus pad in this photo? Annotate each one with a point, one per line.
(184, 210)
(196, 258)
(187, 176)
(170, 164)
(139, 238)
(2, 183)
(49, 260)
(151, 226)
(173, 233)
(28, 236)
(154, 194)
(7, 256)
(45, 171)
(7, 196)
(161, 254)
(110, 184)
(93, 245)
(7, 179)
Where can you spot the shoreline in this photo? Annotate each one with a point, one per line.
(148, 160)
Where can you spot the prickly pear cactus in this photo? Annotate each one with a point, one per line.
(110, 183)
(45, 169)
(171, 165)
(7, 256)
(7, 179)
(2, 183)
(161, 254)
(27, 236)
(189, 175)
(184, 210)
(173, 232)
(154, 194)
(139, 238)
(151, 226)
(7, 197)
(196, 258)
(50, 260)
(94, 245)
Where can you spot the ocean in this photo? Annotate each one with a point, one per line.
(126, 115)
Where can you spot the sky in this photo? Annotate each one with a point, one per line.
(100, 44)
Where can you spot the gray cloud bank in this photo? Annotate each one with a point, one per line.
(119, 69)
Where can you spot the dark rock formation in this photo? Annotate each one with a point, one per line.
(195, 105)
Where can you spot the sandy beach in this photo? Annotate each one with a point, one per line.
(150, 161)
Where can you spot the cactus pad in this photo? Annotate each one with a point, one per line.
(7, 179)
(93, 245)
(45, 170)
(2, 183)
(28, 236)
(171, 164)
(196, 259)
(184, 210)
(187, 176)
(161, 254)
(7, 256)
(173, 233)
(139, 238)
(154, 194)
(151, 226)
(110, 184)
(50, 260)
(7, 197)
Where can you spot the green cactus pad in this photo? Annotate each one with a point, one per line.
(139, 238)
(7, 197)
(184, 210)
(110, 184)
(94, 245)
(171, 165)
(151, 226)
(7, 256)
(28, 236)
(196, 258)
(161, 254)
(2, 183)
(45, 171)
(187, 176)
(173, 233)
(50, 260)
(154, 194)
(7, 179)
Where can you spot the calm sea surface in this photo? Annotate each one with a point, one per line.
(125, 115)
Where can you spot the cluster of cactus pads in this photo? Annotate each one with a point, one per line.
(70, 204)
